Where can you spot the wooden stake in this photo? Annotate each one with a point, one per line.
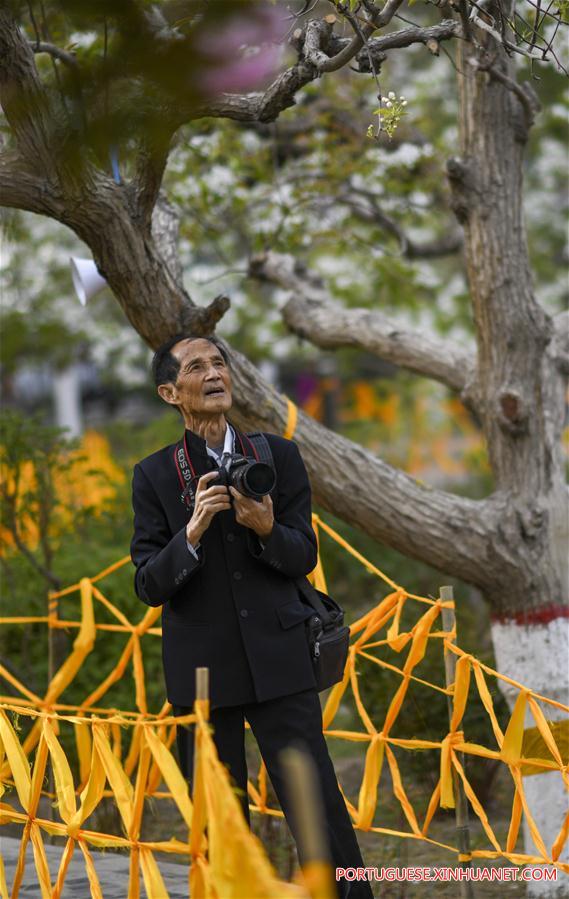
(199, 820)
(202, 685)
(460, 803)
(308, 810)
(52, 666)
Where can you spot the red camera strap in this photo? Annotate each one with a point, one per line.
(186, 473)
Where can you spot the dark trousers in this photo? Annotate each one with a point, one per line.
(288, 720)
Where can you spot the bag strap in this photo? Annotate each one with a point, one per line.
(311, 596)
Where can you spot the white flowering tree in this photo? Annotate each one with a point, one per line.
(95, 98)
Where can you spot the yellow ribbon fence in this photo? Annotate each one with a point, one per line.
(127, 754)
(231, 862)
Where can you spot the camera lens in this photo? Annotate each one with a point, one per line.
(258, 479)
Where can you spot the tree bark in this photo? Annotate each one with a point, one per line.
(520, 387)
(312, 314)
(521, 381)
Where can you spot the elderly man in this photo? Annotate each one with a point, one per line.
(223, 567)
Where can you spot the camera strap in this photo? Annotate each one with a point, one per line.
(262, 453)
(258, 448)
(186, 474)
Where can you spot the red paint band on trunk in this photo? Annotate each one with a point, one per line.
(534, 616)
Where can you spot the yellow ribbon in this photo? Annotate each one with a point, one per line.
(292, 415)
(101, 758)
(447, 792)
(513, 738)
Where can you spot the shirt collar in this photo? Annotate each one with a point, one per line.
(198, 445)
(228, 445)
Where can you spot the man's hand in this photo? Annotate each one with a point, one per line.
(209, 500)
(257, 516)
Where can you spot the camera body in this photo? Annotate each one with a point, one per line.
(253, 479)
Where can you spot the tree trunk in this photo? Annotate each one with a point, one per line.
(520, 397)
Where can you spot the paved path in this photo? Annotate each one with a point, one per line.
(111, 867)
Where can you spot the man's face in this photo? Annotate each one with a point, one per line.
(203, 385)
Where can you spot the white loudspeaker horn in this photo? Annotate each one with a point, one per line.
(86, 278)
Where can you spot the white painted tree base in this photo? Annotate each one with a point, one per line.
(537, 656)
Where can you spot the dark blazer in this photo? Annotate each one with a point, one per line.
(236, 608)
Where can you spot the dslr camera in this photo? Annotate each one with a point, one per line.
(254, 479)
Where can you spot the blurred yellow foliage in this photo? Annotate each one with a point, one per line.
(388, 410)
(364, 399)
(360, 402)
(89, 481)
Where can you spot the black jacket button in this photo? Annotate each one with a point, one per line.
(244, 613)
(237, 575)
(231, 537)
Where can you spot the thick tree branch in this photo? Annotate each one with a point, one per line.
(22, 188)
(165, 232)
(258, 107)
(140, 267)
(378, 19)
(147, 181)
(313, 41)
(316, 37)
(404, 37)
(22, 96)
(448, 532)
(312, 314)
(267, 105)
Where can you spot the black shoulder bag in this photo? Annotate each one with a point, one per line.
(328, 638)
